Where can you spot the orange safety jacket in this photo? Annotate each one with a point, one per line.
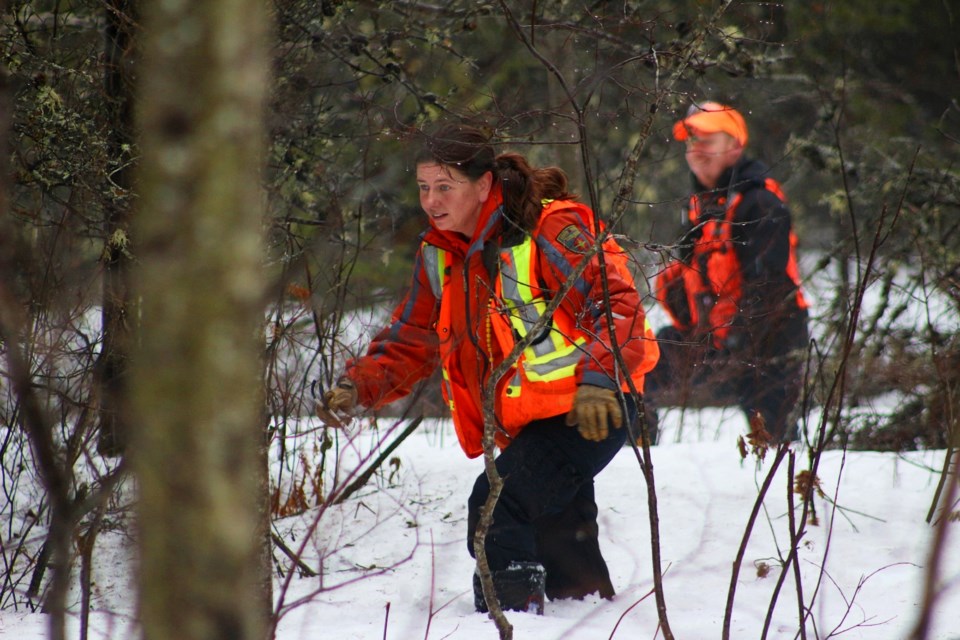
(478, 314)
(712, 280)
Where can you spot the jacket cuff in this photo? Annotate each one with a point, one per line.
(597, 379)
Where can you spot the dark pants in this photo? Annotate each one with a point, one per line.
(765, 375)
(546, 512)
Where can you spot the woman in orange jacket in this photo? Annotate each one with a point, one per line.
(504, 240)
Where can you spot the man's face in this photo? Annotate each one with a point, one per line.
(710, 154)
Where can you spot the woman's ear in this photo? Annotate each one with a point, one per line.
(484, 185)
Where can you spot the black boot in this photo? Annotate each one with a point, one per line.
(519, 587)
(568, 545)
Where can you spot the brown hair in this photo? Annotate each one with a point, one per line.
(524, 187)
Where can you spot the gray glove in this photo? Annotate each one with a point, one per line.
(593, 408)
(341, 399)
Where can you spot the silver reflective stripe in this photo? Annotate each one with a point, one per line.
(543, 367)
(431, 263)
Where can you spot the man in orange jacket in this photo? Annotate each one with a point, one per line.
(733, 291)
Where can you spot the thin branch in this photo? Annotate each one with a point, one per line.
(293, 556)
(364, 477)
(931, 588)
(782, 451)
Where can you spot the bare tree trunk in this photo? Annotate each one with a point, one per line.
(112, 363)
(264, 523)
(195, 373)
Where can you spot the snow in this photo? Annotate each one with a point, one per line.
(395, 563)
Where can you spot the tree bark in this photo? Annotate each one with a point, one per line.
(112, 362)
(196, 393)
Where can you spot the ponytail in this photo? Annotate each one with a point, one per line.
(521, 204)
(553, 184)
(525, 188)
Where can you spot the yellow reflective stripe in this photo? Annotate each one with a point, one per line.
(448, 392)
(552, 358)
(435, 264)
(516, 293)
(525, 309)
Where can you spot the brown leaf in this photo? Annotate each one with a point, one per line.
(763, 569)
(805, 483)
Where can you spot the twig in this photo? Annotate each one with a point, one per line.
(290, 553)
(282, 606)
(613, 631)
(728, 613)
(837, 391)
(86, 544)
(944, 476)
(791, 559)
(836, 631)
(479, 543)
(930, 587)
(433, 586)
(364, 477)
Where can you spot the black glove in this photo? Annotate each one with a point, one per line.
(734, 341)
(592, 408)
(738, 336)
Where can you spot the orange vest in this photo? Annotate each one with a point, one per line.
(542, 382)
(713, 279)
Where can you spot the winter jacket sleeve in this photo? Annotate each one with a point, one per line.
(670, 291)
(564, 238)
(404, 352)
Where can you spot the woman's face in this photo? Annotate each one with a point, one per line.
(450, 198)
(710, 154)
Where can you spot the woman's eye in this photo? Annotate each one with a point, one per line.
(424, 188)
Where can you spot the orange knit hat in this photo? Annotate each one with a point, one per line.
(710, 117)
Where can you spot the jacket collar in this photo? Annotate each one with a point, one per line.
(746, 171)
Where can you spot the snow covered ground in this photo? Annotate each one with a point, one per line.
(395, 564)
